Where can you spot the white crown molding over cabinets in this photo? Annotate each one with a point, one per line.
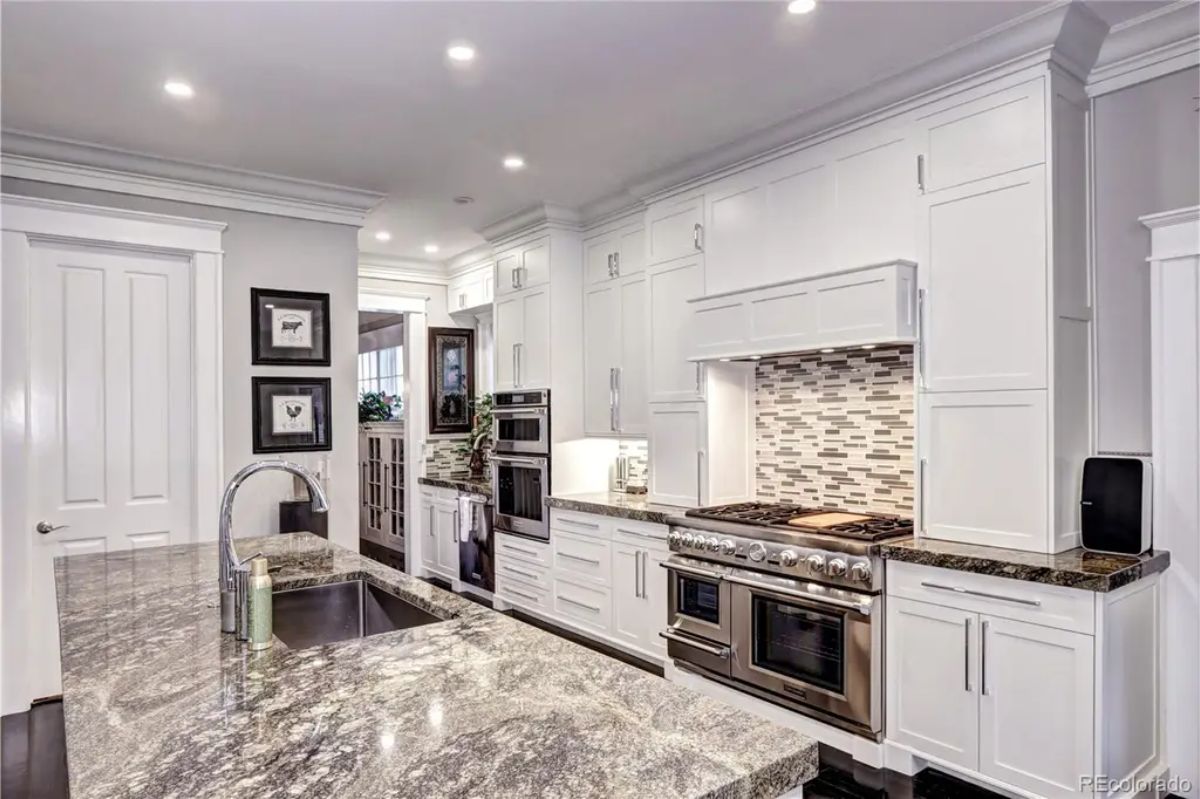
(1146, 47)
(50, 160)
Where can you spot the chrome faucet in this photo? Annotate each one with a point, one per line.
(234, 572)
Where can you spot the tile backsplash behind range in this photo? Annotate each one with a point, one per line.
(836, 429)
(444, 456)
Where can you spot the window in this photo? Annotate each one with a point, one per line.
(383, 371)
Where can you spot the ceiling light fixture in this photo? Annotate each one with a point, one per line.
(177, 88)
(868, 346)
(383, 235)
(514, 162)
(431, 248)
(801, 6)
(461, 52)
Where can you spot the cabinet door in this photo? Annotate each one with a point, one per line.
(508, 272)
(984, 273)
(533, 356)
(602, 320)
(800, 201)
(535, 263)
(1036, 706)
(631, 252)
(510, 331)
(735, 218)
(445, 516)
(654, 591)
(488, 289)
(875, 182)
(676, 441)
(672, 377)
(598, 258)
(983, 475)
(933, 680)
(629, 609)
(674, 228)
(428, 529)
(632, 406)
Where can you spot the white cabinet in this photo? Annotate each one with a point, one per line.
(675, 228)
(473, 290)
(428, 530)
(523, 266)
(876, 186)
(615, 335)
(676, 453)
(523, 340)
(614, 254)
(438, 510)
(639, 585)
(669, 286)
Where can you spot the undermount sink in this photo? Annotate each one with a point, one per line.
(324, 614)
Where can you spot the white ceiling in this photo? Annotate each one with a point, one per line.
(593, 94)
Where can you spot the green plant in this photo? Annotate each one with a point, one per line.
(374, 406)
(481, 424)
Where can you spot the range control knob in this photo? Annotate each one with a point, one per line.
(713, 543)
(675, 538)
(689, 540)
(815, 563)
(835, 567)
(757, 552)
(728, 547)
(788, 558)
(861, 572)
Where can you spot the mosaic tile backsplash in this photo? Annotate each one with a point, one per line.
(837, 429)
(444, 456)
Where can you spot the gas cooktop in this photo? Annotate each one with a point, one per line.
(802, 519)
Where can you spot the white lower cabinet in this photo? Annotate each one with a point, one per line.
(599, 576)
(438, 532)
(1004, 680)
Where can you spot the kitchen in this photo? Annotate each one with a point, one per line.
(801, 437)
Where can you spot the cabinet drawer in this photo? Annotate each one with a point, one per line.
(582, 523)
(523, 595)
(514, 571)
(640, 534)
(1047, 605)
(586, 605)
(588, 557)
(522, 549)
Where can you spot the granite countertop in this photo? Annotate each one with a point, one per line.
(459, 481)
(1075, 568)
(159, 703)
(611, 503)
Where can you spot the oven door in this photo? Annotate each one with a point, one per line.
(519, 490)
(698, 615)
(523, 430)
(810, 644)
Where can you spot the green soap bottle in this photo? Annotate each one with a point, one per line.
(260, 633)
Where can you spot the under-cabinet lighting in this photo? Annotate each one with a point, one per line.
(801, 6)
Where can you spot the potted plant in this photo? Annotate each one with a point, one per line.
(374, 406)
(480, 436)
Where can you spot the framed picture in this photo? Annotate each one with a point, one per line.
(289, 328)
(291, 414)
(451, 379)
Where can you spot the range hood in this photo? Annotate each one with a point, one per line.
(873, 304)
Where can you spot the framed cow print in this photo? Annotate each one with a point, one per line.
(291, 414)
(289, 328)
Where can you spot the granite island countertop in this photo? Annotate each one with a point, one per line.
(623, 506)
(159, 703)
(1075, 568)
(458, 481)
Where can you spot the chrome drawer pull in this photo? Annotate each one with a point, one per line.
(523, 551)
(523, 596)
(530, 575)
(967, 654)
(864, 608)
(641, 535)
(958, 589)
(569, 520)
(577, 603)
(715, 651)
(689, 570)
(579, 558)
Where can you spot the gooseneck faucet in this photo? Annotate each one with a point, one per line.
(233, 571)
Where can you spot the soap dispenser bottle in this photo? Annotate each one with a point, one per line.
(260, 632)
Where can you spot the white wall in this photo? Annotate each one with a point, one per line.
(1146, 159)
(271, 252)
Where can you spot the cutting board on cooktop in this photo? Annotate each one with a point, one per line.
(831, 519)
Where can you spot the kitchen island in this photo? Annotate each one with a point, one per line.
(159, 703)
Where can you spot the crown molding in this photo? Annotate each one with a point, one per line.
(1163, 41)
(381, 266)
(600, 217)
(49, 160)
(544, 216)
(1174, 217)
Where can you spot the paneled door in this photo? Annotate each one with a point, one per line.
(110, 416)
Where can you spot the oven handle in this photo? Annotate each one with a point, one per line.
(523, 461)
(864, 607)
(519, 413)
(692, 570)
(715, 651)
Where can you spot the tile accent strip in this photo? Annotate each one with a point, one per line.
(837, 429)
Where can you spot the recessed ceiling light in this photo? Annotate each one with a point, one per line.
(383, 235)
(801, 6)
(177, 88)
(868, 346)
(827, 350)
(464, 199)
(431, 248)
(514, 162)
(461, 52)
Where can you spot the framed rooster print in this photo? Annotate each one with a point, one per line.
(291, 414)
(289, 328)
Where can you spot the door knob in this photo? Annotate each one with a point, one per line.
(47, 527)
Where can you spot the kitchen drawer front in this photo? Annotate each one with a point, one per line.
(1047, 605)
(587, 557)
(522, 549)
(582, 523)
(513, 570)
(640, 534)
(588, 606)
(523, 595)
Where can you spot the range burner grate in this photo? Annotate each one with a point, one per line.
(769, 514)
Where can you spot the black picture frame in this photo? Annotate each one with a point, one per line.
(280, 402)
(451, 379)
(289, 328)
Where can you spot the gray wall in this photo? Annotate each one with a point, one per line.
(271, 252)
(1146, 159)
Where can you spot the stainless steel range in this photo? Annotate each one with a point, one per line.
(786, 603)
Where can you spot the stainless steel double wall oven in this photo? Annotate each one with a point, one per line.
(521, 462)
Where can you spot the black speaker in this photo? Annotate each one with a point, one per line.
(1115, 505)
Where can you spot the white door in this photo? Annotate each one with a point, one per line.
(1036, 706)
(676, 440)
(533, 356)
(632, 406)
(629, 609)
(110, 356)
(601, 353)
(445, 514)
(669, 286)
(510, 326)
(933, 680)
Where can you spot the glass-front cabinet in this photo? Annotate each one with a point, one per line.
(381, 483)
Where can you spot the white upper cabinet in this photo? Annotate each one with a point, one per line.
(675, 228)
(735, 220)
(615, 254)
(524, 266)
(632, 377)
(669, 287)
(598, 258)
(676, 453)
(472, 291)
(631, 251)
(601, 357)
(523, 340)
(875, 208)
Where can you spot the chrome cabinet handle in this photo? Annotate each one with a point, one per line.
(610, 264)
(921, 492)
(431, 521)
(958, 589)
(579, 604)
(616, 264)
(716, 651)
(699, 379)
(645, 566)
(647, 536)
(921, 173)
(519, 349)
(699, 477)
(617, 399)
(579, 558)
(530, 575)
(698, 236)
(967, 654)
(522, 551)
(523, 596)
(514, 364)
(46, 527)
(983, 628)
(922, 341)
(637, 577)
(456, 521)
(513, 278)
(612, 399)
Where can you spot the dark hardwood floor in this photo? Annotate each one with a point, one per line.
(35, 754)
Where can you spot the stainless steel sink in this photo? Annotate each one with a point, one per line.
(323, 614)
